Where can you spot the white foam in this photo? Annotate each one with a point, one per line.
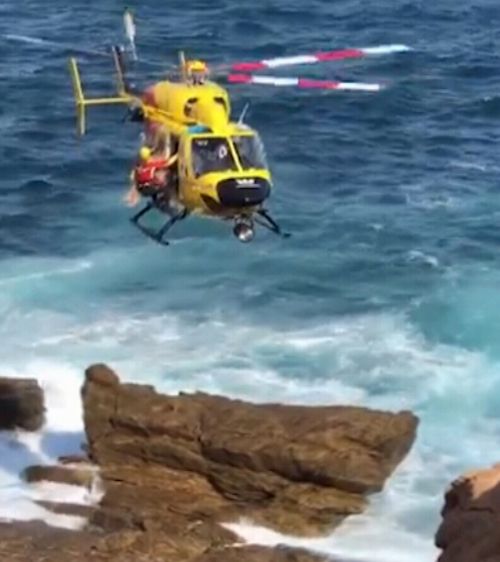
(62, 434)
(68, 493)
(434, 201)
(377, 360)
(50, 270)
(419, 256)
(381, 534)
(61, 384)
(369, 543)
(352, 358)
(476, 166)
(19, 508)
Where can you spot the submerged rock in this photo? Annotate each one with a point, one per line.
(471, 518)
(21, 404)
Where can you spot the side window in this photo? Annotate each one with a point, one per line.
(221, 101)
(188, 108)
(250, 151)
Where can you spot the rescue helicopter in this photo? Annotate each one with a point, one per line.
(196, 160)
(202, 163)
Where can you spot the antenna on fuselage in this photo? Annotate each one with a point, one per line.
(243, 113)
(182, 64)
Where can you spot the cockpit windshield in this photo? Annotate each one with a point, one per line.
(211, 154)
(250, 151)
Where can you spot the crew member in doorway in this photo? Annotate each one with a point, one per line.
(150, 175)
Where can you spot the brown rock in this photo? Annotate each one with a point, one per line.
(300, 469)
(73, 459)
(102, 374)
(62, 475)
(471, 518)
(21, 404)
(175, 467)
(36, 542)
(258, 554)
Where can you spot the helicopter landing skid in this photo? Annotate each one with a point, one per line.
(270, 223)
(157, 236)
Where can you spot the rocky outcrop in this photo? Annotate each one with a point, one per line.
(173, 469)
(21, 404)
(36, 542)
(75, 476)
(471, 518)
(298, 469)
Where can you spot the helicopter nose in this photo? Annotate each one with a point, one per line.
(243, 192)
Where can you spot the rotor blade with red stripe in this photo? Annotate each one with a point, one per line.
(304, 83)
(325, 56)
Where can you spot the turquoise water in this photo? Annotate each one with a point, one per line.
(385, 296)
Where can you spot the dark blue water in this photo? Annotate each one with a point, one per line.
(387, 293)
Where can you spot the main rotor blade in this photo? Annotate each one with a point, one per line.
(324, 56)
(304, 83)
(46, 43)
(130, 31)
(55, 44)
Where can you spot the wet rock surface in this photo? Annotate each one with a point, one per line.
(21, 404)
(34, 541)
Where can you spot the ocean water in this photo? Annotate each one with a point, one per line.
(386, 295)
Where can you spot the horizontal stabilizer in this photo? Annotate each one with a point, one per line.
(82, 102)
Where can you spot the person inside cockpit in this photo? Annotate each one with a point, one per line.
(211, 154)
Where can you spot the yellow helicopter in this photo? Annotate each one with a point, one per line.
(208, 165)
(219, 166)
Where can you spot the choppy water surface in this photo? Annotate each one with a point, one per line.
(386, 296)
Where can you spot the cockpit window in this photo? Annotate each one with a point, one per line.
(250, 151)
(211, 155)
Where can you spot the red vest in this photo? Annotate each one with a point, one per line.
(145, 172)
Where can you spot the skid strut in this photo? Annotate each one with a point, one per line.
(270, 223)
(158, 235)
